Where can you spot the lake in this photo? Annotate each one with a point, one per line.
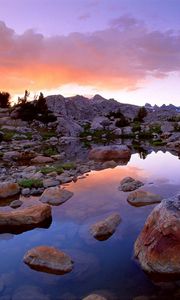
(105, 267)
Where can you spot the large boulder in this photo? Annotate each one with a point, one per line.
(158, 245)
(129, 184)
(141, 198)
(55, 196)
(110, 152)
(28, 217)
(48, 259)
(8, 189)
(104, 229)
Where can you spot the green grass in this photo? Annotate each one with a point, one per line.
(46, 170)
(68, 166)
(158, 143)
(47, 134)
(49, 151)
(31, 183)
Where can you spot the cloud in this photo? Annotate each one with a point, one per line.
(118, 57)
(84, 17)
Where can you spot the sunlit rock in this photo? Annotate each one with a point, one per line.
(8, 189)
(110, 152)
(158, 245)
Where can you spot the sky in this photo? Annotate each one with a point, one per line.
(123, 49)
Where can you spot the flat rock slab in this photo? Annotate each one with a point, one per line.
(8, 189)
(49, 260)
(110, 152)
(40, 159)
(55, 196)
(129, 184)
(24, 217)
(158, 246)
(104, 229)
(141, 198)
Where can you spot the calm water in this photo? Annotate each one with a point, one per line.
(105, 267)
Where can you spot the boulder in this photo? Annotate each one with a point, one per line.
(104, 229)
(55, 196)
(141, 198)
(40, 159)
(8, 189)
(31, 216)
(158, 245)
(129, 184)
(48, 259)
(16, 203)
(12, 155)
(110, 152)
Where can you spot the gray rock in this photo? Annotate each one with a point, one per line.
(25, 192)
(55, 196)
(129, 184)
(50, 182)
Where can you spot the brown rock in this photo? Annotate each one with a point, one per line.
(110, 153)
(8, 189)
(158, 245)
(55, 196)
(104, 229)
(140, 198)
(48, 259)
(29, 216)
(40, 159)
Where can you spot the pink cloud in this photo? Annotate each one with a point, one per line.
(120, 56)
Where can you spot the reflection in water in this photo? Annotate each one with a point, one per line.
(104, 266)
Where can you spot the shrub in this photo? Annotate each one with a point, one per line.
(46, 170)
(69, 166)
(49, 151)
(142, 113)
(31, 183)
(4, 100)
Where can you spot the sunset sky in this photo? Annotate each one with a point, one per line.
(123, 49)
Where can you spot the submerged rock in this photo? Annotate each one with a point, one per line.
(48, 259)
(104, 229)
(29, 292)
(140, 198)
(28, 216)
(129, 184)
(110, 152)
(55, 196)
(158, 245)
(8, 189)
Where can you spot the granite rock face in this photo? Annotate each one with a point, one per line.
(48, 259)
(158, 246)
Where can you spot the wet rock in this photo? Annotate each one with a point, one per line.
(129, 184)
(94, 297)
(55, 196)
(48, 259)
(16, 203)
(158, 245)
(140, 198)
(40, 159)
(104, 229)
(8, 189)
(29, 293)
(109, 164)
(110, 152)
(28, 216)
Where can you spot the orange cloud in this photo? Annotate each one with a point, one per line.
(118, 57)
